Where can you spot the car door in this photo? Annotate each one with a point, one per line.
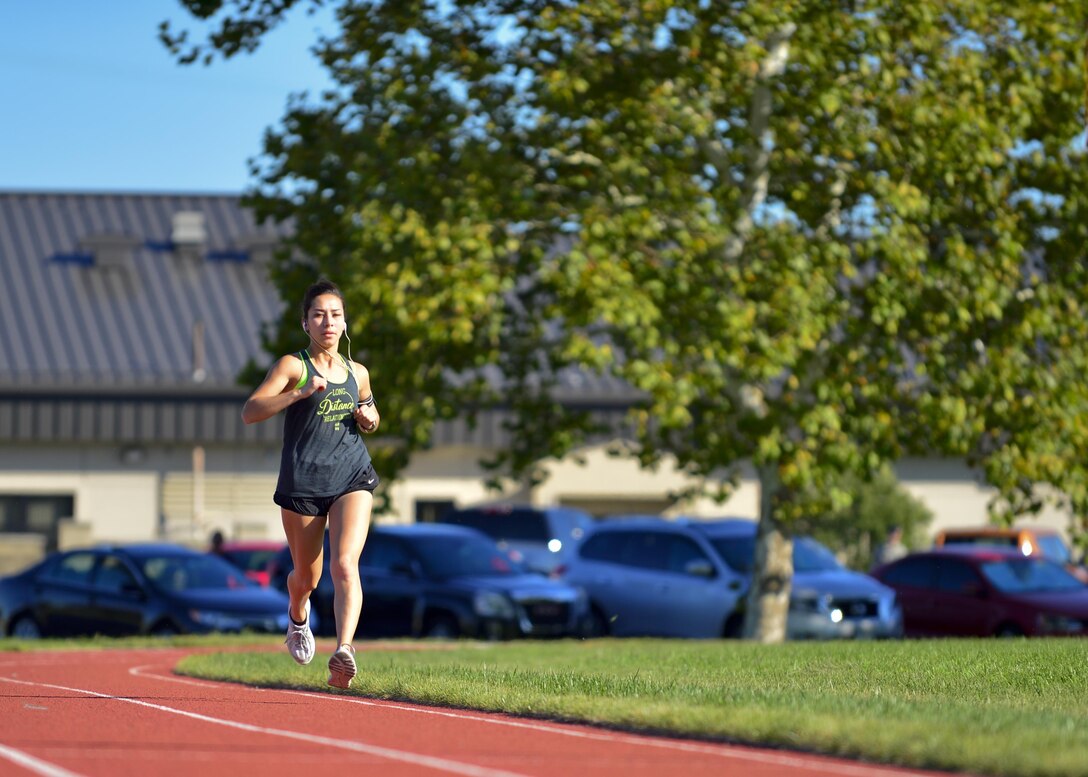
(698, 599)
(627, 581)
(915, 582)
(118, 600)
(961, 607)
(391, 586)
(63, 595)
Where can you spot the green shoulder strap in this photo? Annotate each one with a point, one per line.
(305, 371)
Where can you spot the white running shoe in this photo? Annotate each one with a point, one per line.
(300, 640)
(342, 667)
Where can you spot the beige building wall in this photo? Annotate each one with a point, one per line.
(124, 495)
(957, 498)
(118, 507)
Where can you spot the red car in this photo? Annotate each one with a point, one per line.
(977, 592)
(251, 556)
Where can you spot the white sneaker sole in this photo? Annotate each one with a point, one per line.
(341, 671)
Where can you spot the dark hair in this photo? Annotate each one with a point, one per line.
(323, 286)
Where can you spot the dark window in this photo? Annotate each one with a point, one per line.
(75, 568)
(680, 552)
(384, 553)
(113, 575)
(738, 552)
(914, 572)
(607, 546)
(432, 510)
(642, 550)
(956, 577)
(35, 514)
(984, 541)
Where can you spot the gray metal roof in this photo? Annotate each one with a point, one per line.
(97, 294)
(103, 303)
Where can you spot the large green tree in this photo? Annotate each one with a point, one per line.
(811, 235)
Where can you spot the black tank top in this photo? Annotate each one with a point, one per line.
(323, 450)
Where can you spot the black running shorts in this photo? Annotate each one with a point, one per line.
(320, 505)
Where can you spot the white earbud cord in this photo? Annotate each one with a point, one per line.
(334, 354)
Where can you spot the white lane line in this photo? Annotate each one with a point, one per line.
(416, 759)
(570, 730)
(33, 764)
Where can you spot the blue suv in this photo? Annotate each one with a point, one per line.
(543, 539)
(689, 578)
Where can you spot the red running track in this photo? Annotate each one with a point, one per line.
(124, 712)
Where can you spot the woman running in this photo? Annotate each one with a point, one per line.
(326, 475)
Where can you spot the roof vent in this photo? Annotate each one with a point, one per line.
(111, 251)
(188, 234)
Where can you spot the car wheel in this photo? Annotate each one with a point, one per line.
(1007, 630)
(734, 626)
(596, 624)
(442, 627)
(25, 627)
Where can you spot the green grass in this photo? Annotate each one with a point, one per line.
(1015, 707)
(996, 707)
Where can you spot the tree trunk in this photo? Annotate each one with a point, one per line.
(768, 600)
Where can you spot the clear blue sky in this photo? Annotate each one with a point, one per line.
(91, 101)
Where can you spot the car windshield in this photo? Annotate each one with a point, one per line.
(808, 554)
(811, 556)
(1029, 575)
(191, 573)
(445, 557)
(1054, 548)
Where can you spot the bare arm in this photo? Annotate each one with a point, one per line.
(366, 413)
(277, 391)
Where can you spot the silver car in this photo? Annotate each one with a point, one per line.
(689, 578)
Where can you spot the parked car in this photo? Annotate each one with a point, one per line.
(251, 556)
(119, 590)
(688, 578)
(439, 580)
(541, 538)
(827, 600)
(1029, 540)
(973, 592)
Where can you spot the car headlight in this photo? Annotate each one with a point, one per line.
(492, 605)
(218, 621)
(1059, 624)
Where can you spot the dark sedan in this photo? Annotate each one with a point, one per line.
(438, 580)
(157, 589)
(965, 591)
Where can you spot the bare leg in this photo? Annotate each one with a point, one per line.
(305, 537)
(349, 522)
